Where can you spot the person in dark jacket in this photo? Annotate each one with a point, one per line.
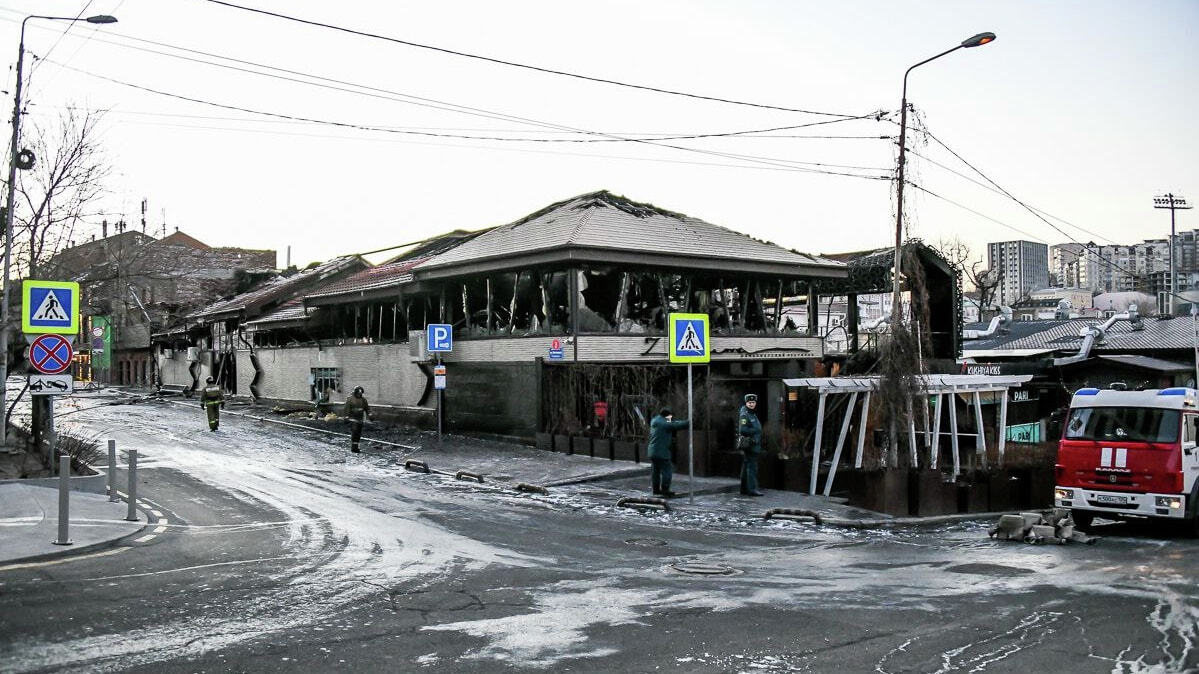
(358, 411)
(212, 400)
(661, 434)
(749, 435)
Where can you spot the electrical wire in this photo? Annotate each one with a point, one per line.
(453, 107)
(987, 187)
(63, 34)
(514, 64)
(644, 135)
(363, 127)
(1085, 248)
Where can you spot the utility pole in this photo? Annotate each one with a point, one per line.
(1174, 203)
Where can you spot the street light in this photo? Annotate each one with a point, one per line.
(975, 41)
(8, 215)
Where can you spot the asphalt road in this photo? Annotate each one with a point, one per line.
(282, 552)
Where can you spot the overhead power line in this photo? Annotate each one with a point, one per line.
(364, 127)
(1086, 248)
(424, 102)
(514, 64)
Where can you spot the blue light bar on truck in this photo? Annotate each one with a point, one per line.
(1176, 391)
(1087, 392)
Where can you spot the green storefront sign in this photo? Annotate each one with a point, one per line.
(1027, 433)
(100, 342)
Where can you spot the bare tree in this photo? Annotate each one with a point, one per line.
(62, 188)
(974, 270)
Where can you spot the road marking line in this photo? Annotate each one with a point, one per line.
(143, 539)
(159, 530)
(156, 513)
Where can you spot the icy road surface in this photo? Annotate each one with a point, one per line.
(284, 552)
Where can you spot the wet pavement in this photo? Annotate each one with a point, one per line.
(283, 550)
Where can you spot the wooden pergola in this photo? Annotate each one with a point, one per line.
(938, 385)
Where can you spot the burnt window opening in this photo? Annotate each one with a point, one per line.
(323, 380)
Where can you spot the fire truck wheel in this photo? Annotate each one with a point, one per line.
(1082, 519)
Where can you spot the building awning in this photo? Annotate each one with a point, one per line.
(933, 383)
(1003, 353)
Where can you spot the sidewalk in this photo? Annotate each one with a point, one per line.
(29, 522)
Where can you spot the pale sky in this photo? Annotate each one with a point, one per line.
(1082, 109)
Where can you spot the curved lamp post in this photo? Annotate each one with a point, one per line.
(8, 216)
(976, 41)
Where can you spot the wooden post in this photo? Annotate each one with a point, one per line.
(953, 430)
(857, 462)
(816, 444)
(980, 442)
(490, 304)
(832, 471)
(1002, 426)
(512, 305)
(934, 452)
(912, 436)
(778, 308)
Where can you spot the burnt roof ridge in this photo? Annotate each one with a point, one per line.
(600, 199)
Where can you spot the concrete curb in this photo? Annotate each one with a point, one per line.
(902, 522)
(74, 550)
(600, 477)
(92, 484)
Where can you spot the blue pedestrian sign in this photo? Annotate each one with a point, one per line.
(688, 338)
(440, 337)
(50, 307)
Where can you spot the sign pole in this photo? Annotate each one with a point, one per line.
(689, 341)
(440, 404)
(690, 443)
(52, 436)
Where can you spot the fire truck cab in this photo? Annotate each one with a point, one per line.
(1127, 454)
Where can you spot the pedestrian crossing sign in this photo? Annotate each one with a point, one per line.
(688, 338)
(50, 307)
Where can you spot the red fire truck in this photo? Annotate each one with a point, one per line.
(1127, 454)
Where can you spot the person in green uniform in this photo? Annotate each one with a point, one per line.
(212, 400)
(749, 441)
(661, 434)
(358, 411)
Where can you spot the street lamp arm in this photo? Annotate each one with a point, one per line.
(974, 41)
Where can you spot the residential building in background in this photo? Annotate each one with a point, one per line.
(1024, 267)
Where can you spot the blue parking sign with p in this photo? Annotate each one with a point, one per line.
(440, 337)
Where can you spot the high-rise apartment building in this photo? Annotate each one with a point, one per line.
(1024, 266)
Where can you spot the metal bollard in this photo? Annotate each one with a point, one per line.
(112, 472)
(64, 500)
(131, 516)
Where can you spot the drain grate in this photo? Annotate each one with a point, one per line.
(700, 569)
(645, 542)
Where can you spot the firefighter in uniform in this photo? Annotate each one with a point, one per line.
(749, 434)
(358, 411)
(212, 400)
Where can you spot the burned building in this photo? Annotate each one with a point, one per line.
(217, 329)
(559, 324)
(133, 285)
